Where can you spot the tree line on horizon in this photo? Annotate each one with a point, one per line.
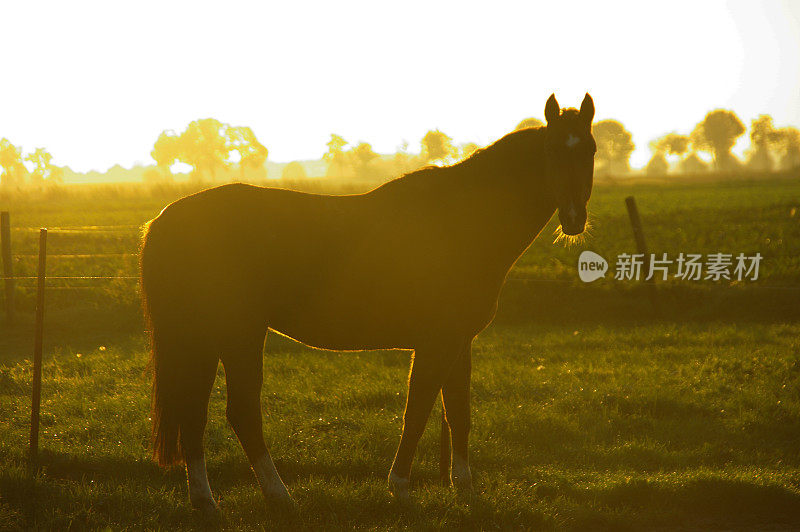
(770, 148)
(216, 151)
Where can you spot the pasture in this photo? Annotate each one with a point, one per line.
(591, 410)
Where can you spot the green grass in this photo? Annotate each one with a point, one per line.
(591, 410)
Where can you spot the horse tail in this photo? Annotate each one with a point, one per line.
(165, 368)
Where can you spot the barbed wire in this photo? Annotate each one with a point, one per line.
(81, 228)
(75, 255)
(63, 288)
(63, 277)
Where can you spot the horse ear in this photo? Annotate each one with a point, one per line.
(587, 109)
(551, 109)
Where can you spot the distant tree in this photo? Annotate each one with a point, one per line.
(40, 160)
(188, 150)
(166, 151)
(153, 175)
(670, 144)
(252, 154)
(467, 149)
(335, 156)
(436, 146)
(294, 170)
(762, 140)
(362, 157)
(787, 143)
(693, 164)
(204, 146)
(43, 169)
(673, 144)
(11, 162)
(717, 134)
(529, 122)
(403, 162)
(55, 174)
(657, 165)
(614, 147)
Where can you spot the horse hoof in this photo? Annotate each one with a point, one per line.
(461, 476)
(462, 484)
(206, 509)
(281, 501)
(398, 487)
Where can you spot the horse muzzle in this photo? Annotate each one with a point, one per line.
(572, 221)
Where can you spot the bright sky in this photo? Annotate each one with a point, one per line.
(95, 82)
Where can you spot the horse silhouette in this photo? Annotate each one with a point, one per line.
(417, 263)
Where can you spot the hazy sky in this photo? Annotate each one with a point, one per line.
(95, 82)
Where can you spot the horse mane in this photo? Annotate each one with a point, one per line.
(501, 150)
(506, 155)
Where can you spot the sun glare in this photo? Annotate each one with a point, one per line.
(367, 78)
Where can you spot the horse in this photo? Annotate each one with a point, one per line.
(415, 264)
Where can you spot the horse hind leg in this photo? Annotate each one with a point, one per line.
(243, 374)
(192, 429)
(185, 373)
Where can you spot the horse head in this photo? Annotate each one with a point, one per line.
(570, 149)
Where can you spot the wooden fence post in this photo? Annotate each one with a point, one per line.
(641, 246)
(8, 269)
(36, 394)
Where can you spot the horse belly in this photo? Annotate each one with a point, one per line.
(352, 323)
(392, 315)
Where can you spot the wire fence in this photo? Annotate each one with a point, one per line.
(71, 277)
(20, 280)
(533, 280)
(133, 229)
(82, 228)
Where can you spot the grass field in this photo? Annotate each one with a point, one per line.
(591, 410)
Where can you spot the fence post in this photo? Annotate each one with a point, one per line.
(36, 394)
(641, 246)
(8, 269)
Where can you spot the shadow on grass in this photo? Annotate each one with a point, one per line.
(69, 493)
(77, 493)
(612, 305)
(710, 503)
(683, 438)
(72, 492)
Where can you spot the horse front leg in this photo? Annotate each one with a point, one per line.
(429, 369)
(455, 399)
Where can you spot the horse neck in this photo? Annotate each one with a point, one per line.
(506, 188)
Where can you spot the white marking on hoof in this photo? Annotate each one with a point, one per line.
(272, 487)
(460, 474)
(572, 140)
(199, 490)
(398, 486)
